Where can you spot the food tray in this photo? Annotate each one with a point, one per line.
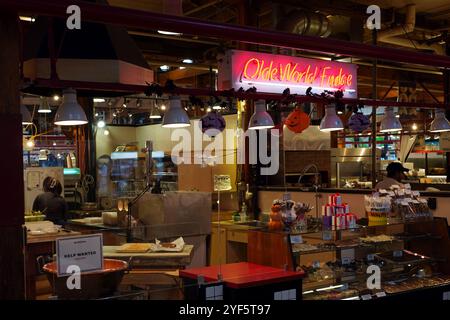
(134, 248)
(407, 257)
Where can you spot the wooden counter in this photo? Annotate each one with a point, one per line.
(38, 246)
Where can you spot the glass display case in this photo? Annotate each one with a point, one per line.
(364, 262)
(164, 171)
(128, 174)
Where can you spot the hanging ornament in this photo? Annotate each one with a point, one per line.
(297, 121)
(358, 122)
(212, 120)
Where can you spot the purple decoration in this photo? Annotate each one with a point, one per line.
(212, 120)
(358, 122)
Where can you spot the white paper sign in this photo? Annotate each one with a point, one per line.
(296, 239)
(85, 251)
(222, 182)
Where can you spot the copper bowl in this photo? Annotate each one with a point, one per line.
(98, 284)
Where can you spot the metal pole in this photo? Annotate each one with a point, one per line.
(374, 114)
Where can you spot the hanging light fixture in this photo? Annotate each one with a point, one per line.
(26, 115)
(154, 114)
(331, 121)
(176, 116)
(260, 119)
(44, 106)
(390, 122)
(440, 122)
(70, 113)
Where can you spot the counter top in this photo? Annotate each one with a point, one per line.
(50, 237)
(345, 191)
(248, 225)
(242, 274)
(80, 222)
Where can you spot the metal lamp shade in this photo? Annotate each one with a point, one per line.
(440, 122)
(331, 121)
(26, 116)
(260, 119)
(70, 113)
(176, 116)
(44, 106)
(390, 123)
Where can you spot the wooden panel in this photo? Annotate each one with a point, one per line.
(194, 177)
(218, 246)
(269, 249)
(237, 236)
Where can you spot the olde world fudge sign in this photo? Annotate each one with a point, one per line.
(274, 73)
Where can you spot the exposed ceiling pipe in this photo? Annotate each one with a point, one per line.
(149, 20)
(396, 35)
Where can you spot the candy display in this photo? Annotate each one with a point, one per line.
(336, 214)
(291, 214)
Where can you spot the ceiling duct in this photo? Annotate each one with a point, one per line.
(95, 53)
(396, 35)
(306, 23)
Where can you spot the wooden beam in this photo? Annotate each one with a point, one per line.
(11, 162)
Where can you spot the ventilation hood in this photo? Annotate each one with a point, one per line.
(95, 53)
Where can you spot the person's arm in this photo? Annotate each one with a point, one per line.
(37, 203)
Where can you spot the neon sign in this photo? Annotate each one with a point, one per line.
(274, 73)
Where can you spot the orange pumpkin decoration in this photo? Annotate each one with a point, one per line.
(275, 222)
(297, 121)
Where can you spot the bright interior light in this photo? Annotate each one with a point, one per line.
(164, 67)
(44, 106)
(414, 127)
(56, 97)
(189, 61)
(390, 123)
(106, 132)
(440, 122)
(155, 116)
(397, 116)
(101, 124)
(114, 114)
(70, 113)
(176, 125)
(176, 116)
(28, 19)
(54, 144)
(30, 143)
(217, 107)
(208, 109)
(182, 68)
(99, 100)
(260, 119)
(169, 33)
(163, 107)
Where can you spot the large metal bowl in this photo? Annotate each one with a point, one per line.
(98, 284)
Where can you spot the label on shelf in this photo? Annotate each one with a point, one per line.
(296, 239)
(380, 294)
(327, 235)
(370, 257)
(366, 297)
(398, 253)
(347, 256)
(316, 264)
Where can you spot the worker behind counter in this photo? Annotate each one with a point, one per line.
(395, 174)
(51, 203)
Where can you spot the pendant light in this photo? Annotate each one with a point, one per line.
(260, 119)
(331, 121)
(390, 123)
(154, 113)
(176, 116)
(440, 122)
(26, 115)
(70, 113)
(44, 106)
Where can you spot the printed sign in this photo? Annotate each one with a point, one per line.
(85, 251)
(274, 73)
(222, 182)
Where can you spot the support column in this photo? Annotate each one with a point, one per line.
(11, 163)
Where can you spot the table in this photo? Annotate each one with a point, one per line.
(147, 269)
(37, 246)
(241, 281)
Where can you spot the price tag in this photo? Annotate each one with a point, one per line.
(370, 257)
(287, 196)
(316, 264)
(398, 253)
(381, 294)
(347, 256)
(366, 297)
(296, 239)
(446, 295)
(327, 235)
